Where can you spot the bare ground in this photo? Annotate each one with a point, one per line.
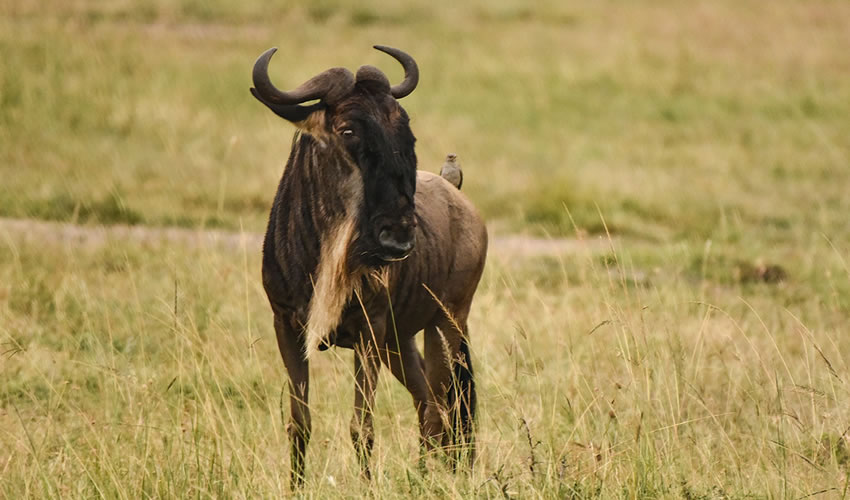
(34, 231)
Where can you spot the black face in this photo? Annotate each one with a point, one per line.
(375, 131)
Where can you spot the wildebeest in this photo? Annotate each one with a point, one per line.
(362, 251)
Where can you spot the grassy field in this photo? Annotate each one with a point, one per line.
(692, 345)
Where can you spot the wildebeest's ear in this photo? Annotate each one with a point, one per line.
(308, 118)
(293, 113)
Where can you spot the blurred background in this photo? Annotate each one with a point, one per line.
(671, 119)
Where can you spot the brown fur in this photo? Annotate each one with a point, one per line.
(338, 268)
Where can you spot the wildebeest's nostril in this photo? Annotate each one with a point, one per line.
(389, 242)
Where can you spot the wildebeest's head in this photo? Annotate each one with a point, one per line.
(360, 118)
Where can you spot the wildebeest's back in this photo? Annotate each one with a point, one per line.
(451, 247)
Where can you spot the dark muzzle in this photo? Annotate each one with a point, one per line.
(396, 243)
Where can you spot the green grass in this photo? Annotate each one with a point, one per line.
(151, 370)
(711, 141)
(663, 116)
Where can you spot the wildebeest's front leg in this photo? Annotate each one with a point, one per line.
(292, 350)
(366, 368)
(408, 367)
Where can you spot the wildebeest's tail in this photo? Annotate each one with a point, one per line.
(462, 402)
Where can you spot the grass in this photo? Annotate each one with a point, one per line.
(663, 116)
(151, 371)
(710, 141)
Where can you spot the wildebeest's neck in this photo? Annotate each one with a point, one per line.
(308, 241)
(317, 181)
(319, 194)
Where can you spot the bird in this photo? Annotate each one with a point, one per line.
(451, 171)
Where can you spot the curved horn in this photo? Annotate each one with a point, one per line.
(411, 71)
(328, 86)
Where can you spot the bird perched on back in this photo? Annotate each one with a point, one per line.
(451, 170)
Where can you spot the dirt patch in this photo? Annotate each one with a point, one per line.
(35, 231)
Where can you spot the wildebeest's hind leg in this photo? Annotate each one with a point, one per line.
(441, 346)
(452, 392)
(299, 427)
(461, 401)
(366, 368)
(407, 365)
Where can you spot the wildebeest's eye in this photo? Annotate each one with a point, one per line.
(349, 140)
